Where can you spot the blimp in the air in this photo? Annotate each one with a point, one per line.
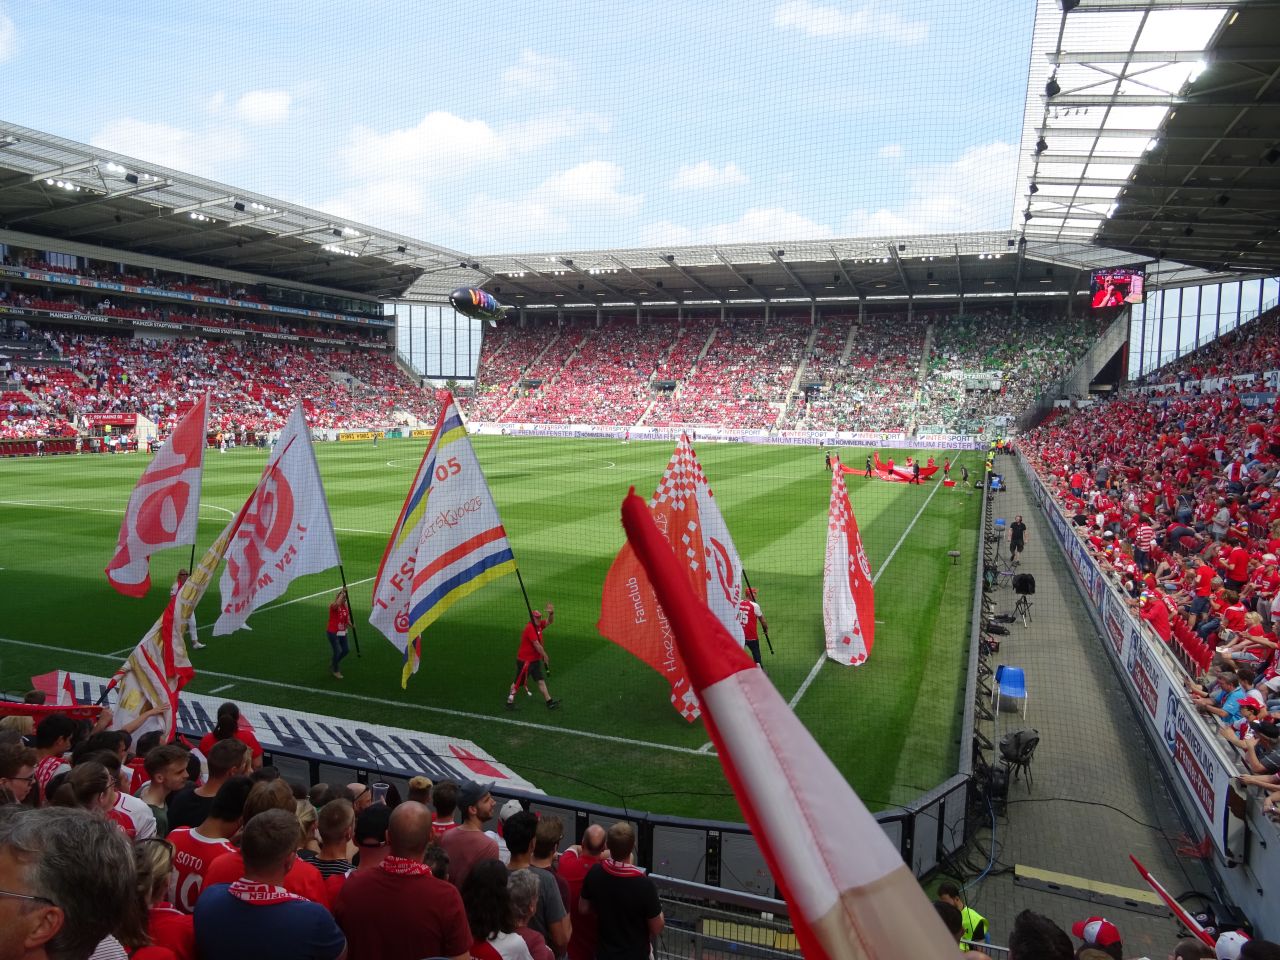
(478, 304)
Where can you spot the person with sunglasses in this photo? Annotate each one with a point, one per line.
(17, 772)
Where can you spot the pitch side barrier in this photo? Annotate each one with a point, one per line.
(310, 748)
(829, 438)
(1196, 762)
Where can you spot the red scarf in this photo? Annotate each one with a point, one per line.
(404, 867)
(619, 869)
(261, 893)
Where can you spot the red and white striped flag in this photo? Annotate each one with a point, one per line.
(630, 614)
(163, 507)
(848, 599)
(287, 530)
(158, 668)
(850, 894)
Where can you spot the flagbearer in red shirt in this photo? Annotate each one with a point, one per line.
(532, 658)
(752, 618)
(339, 621)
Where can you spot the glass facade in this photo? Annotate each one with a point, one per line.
(1173, 322)
(437, 341)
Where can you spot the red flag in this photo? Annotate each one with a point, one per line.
(57, 687)
(850, 894)
(630, 614)
(1179, 911)
(162, 510)
(848, 599)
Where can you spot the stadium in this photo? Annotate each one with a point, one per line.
(970, 348)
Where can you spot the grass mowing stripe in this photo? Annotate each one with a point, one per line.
(254, 681)
(822, 658)
(290, 602)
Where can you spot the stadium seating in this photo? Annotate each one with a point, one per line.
(252, 385)
(1252, 348)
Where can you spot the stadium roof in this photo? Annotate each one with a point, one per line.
(937, 267)
(1154, 127)
(64, 190)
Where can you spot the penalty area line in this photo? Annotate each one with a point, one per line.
(381, 701)
(883, 567)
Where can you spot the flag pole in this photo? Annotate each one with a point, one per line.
(525, 593)
(763, 627)
(350, 613)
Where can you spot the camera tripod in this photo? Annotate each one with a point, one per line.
(1022, 610)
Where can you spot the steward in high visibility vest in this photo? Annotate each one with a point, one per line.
(975, 924)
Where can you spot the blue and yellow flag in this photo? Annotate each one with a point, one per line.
(447, 543)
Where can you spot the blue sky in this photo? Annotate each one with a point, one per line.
(520, 126)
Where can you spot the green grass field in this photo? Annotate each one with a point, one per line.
(890, 725)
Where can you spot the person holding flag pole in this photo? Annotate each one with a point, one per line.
(447, 543)
(532, 657)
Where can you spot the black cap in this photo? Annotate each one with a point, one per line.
(1266, 729)
(371, 825)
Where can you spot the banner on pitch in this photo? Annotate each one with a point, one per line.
(447, 543)
(686, 513)
(163, 508)
(286, 530)
(848, 599)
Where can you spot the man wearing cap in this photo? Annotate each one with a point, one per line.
(1100, 933)
(752, 618)
(370, 837)
(469, 844)
(1261, 752)
(532, 658)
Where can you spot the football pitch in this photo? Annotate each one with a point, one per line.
(891, 725)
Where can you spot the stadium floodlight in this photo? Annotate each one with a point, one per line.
(1223, 200)
(1069, 5)
(1051, 89)
(1033, 189)
(1272, 155)
(131, 179)
(402, 249)
(1041, 146)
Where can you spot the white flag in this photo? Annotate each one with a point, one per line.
(286, 533)
(848, 598)
(162, 510)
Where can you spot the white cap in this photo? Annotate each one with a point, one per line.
(1230, 945)
(509, 809)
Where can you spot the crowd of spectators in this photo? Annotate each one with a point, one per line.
(743, 380)
(203, 286)
(990, 364)
(1178, 497)
(1253, 347)
(162, 851)
(252, 386)
(875, 387)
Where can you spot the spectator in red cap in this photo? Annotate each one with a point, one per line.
(1101, 933)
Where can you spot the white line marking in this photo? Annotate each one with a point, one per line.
(611, 465)
(225, 686)
(121, 652)
(883, 567)
(285, 603)
(464, 714)
(48, 505)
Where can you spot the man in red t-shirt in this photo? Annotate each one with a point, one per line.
(195, 848)
(532, 658)
(399, 911)
(572, 868)
(752, 618)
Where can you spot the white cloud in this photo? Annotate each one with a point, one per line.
(972, 192)
(890, 151)
(758, 224)
(706, 175)
(820, 20)
(438, 144)
(261, 107)
(201, 152)
(584, 194)
(8, 37)
(534, 72)
(443, 144)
